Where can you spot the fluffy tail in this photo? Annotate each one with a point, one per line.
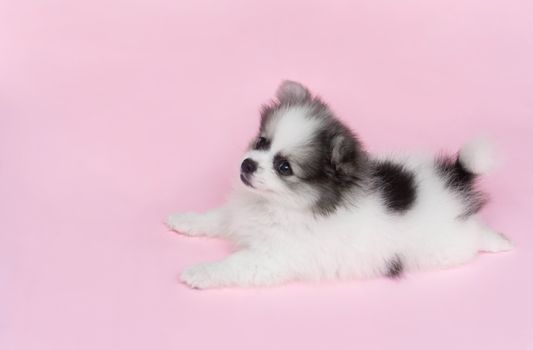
(477, 156)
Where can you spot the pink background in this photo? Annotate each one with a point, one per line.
(115, 113)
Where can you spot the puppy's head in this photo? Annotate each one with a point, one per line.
(302, 156)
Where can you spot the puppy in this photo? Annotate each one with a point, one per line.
(312, 204)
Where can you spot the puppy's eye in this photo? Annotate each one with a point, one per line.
(284, 168)
(261, 143)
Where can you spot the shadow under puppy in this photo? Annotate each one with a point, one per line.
(311, 204)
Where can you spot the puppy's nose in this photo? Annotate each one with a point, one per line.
(248, 166)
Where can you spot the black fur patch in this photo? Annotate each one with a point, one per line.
(456, 176)
(462, 181)
(338, 163)
(395, 268)
(396, 185)
(262, 144)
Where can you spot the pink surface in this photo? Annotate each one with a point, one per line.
(115, 113)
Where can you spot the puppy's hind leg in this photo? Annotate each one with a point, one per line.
(211, 223)
(492, 241)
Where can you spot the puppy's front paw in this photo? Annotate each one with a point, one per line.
(200, 276)
(183, 223)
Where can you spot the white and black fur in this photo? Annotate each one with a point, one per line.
(312, 204)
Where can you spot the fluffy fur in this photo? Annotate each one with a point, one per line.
(312, 204)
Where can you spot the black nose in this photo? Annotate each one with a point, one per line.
(248, 166)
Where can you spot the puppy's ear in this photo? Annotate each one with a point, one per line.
(291, 92)
(345, 154)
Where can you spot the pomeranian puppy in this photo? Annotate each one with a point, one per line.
(312, 204)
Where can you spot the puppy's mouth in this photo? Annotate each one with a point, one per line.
(245, 180)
